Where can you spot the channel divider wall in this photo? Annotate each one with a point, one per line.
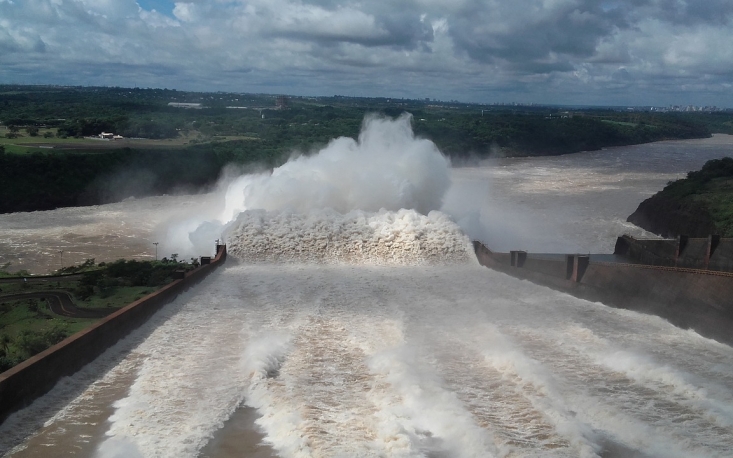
(688, 298)
(22, 384)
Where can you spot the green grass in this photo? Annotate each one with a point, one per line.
(31, 320)
(20, 287)
(28, 326)
(25, 144)
(620, 123)
(121, 296)
(34, 315)
(231, 138)
(717, 196)
(709, 189)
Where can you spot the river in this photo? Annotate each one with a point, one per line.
(292, 359)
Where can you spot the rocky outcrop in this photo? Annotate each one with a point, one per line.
(670, 217)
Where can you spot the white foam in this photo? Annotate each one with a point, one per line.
(537, 382)
(387, 167)
(262, 361)
(404, 237)
(413, 361)
(424, 416)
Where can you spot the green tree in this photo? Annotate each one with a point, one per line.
(5, 345)
(32, 131)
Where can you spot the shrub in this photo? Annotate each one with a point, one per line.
(31, 343)
(7, 363)
(34, 343)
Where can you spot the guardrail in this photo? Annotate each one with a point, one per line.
(716, 273)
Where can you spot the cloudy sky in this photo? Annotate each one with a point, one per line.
(617, 52)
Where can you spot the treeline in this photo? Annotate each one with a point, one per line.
(523, 135)
(698, 205)
(57, 178)
(457, 128)
(121, 126)
(26, 328)
(44, 181)
(266, 136)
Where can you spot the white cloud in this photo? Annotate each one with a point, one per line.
(483, 50)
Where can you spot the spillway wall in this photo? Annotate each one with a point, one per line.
(688, 298)
(34, 377)
(711, 253)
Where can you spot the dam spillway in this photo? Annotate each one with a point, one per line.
(416, 359)
(400, 361)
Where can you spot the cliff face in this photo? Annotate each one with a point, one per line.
(670, 217)
(697, 206)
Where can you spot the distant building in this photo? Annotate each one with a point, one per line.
(196, 106)
(110, 136)
(282, 102)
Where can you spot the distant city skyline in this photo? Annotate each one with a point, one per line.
(567, 52)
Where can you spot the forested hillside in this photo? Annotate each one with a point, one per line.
(50, 161)
(697, 206)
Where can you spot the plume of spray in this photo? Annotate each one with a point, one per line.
(386, 168)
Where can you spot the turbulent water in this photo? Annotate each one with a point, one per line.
(375, 333)
(438, 361)
(385, 238)
(571, 203)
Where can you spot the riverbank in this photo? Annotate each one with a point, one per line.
(49, 178)
(22, 384)
(697, 206)
(568, 203)
(36, 314)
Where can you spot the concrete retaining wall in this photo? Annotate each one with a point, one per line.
(695, 299)
(34, 377)
(550, 267)
(711, 253)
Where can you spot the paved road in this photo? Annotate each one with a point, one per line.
(34, 279)
(60, 303)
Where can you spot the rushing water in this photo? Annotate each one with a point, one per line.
(572, 203)
(433, 360)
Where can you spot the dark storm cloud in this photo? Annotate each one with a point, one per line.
(717, 12)
(568, 30)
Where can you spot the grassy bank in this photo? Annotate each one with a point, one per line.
(48, 162)
(47, 139)
(29, 325)
(698, 205)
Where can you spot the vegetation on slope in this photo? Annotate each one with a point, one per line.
(28, 326)
(48, 162)
(697, 206)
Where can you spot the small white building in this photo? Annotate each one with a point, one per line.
(110, 136)
(196, 106)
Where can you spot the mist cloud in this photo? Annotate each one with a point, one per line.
(386, 168)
